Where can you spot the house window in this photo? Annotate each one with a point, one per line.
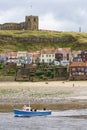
(46, 55)
(73, 69)
(30, 55)
(73, 74)
(42, 55)
(85, 69)
(49, 60)
(78, 69)
(52, 55)
(82, 73)
(65, 55)
(82, 69)
(49, 55)
(43, 60)
(79, 73)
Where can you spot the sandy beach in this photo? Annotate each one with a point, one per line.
(52, 92)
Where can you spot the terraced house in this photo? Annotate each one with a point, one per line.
(47, 56)
(78, 70)
(44, 56)
(11, 57)
(63, 56)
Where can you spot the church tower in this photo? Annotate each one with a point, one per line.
(31, 22)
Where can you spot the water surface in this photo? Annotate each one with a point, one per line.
(59, 120)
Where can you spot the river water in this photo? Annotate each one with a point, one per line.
(59, 120)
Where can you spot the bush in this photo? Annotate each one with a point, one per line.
(41, 76)
(38, 73)
(1, 66)
(11, 71)
(49, 73)
(32, 74)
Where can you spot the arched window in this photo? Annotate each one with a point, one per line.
(34, 19)
(28, 20)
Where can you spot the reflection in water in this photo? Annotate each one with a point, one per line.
(59, 120)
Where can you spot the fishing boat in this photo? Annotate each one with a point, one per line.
(28, 112)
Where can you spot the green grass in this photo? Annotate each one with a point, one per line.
(6, 92)
(75, 40)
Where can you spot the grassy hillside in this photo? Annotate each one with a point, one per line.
(36, 40)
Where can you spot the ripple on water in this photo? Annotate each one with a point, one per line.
(59, 120)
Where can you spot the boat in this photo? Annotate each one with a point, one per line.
(28, 112)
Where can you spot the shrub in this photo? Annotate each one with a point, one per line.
(38, 73)
(1, 66)
(11, 71)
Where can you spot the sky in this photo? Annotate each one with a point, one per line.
(59, 15)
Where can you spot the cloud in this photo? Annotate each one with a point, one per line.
(63, 15)
(49, 22)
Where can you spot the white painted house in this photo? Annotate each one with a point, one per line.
(21, 54)
(47, 56)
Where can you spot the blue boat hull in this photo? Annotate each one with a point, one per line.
(31, 113)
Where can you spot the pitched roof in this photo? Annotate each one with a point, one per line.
(11, 54)
(48, 51)
(80, 64)
(36, 54)
(63, 50)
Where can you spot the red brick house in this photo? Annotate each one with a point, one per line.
(84, 55)
(78, 71)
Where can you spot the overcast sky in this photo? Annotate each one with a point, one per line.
(60, 15)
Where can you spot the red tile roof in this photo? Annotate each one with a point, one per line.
(63, 50)
(11, 54)
(80, 64)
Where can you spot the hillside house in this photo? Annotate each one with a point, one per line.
(11, 57)
(47, 56)
(78, 70)
(36, 57)
(63, 55)
(84, 55)
(3, 58)
(76, 56)
(21, 55)
(29, 58)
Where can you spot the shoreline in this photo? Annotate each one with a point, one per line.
(5, 108)
(68, 94)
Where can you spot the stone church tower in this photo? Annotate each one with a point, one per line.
(31, 22)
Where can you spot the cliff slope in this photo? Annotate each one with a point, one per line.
(37, 40)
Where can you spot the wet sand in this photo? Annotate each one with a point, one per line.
(70, 94)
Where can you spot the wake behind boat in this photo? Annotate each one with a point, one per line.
(28, 112)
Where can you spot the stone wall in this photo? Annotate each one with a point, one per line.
(34, 39)
(31, 23)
